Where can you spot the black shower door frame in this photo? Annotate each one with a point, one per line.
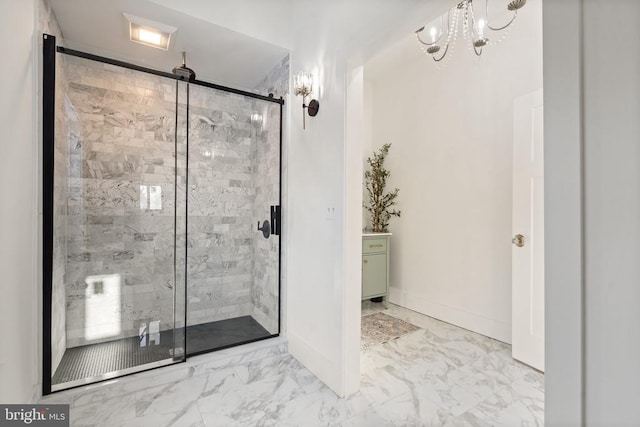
(50, 49)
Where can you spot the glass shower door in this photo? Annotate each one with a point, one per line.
(117, 287)
(161, 230)
(233, 183)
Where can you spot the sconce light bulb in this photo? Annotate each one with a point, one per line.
(303, 83)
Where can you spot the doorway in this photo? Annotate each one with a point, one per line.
(451, 130)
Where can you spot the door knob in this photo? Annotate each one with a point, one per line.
(266, 229)
(518, 240)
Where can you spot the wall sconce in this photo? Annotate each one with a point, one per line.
(303, 85)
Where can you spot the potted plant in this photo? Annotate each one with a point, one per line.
(379, 204)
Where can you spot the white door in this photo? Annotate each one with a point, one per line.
(528, 231)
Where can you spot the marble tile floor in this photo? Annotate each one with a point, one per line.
(439, 375)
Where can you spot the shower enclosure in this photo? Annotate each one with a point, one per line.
(161, 217)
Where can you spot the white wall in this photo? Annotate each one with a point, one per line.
(451, 132)
(314, 264)
(611, 123)
(19, 305)
(592, 162)
(563, 212)
(355, 119)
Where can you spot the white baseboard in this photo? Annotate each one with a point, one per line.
(492, 328)
(318, 364)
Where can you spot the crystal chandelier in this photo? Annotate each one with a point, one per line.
(475, 30)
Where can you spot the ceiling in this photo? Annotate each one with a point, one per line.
(217, 54)
(268, 20)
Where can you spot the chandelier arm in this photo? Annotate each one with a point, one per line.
(424, 42)
(446, 49)
(420, 40)
(515, 14)
(450, 33)
(513, 18)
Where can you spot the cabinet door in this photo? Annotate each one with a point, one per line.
(374, 275)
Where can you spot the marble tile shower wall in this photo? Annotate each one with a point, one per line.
(120, 202)
(221, 198)
(276, 81)
(119, 213)
(266, 180)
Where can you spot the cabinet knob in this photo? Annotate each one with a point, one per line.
(365, 261)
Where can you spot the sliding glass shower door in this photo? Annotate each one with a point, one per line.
(116, 277)
(233, 187)
(161, 221)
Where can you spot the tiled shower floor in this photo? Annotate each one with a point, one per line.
(98, 359)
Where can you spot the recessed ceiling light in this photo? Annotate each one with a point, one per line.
(150, 36)
(149, 33)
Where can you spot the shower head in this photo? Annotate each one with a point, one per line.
(183, 71)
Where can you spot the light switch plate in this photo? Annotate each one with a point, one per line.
(331, 214)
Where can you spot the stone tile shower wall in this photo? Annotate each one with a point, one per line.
(265, 284)
(119, 145)
(276, 81)
(119, 266)
(221, 198)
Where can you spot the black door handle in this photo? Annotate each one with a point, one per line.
(273, 227)
(266, 229)
(275, 220)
